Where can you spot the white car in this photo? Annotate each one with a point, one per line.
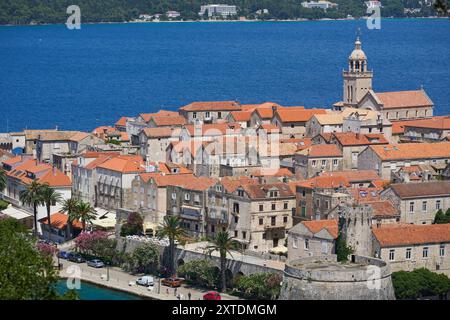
(146, 281)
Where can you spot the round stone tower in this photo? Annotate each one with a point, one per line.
(323, 278)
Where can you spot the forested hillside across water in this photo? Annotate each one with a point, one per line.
(19, 12)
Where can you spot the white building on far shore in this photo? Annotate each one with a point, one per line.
(223, 10)
(319, 4)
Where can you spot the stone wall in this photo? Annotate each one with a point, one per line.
(327, 280)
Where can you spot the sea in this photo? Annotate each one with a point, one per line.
(51, 76)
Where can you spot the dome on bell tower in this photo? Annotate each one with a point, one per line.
(358, 54)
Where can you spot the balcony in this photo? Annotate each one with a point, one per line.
(278, 225)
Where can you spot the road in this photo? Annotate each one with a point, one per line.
(120, 280)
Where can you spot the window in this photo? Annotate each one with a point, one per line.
(236, 207)
(324, 246)
(213, 229)
(295, 243)
(424, 206)
(194, 115)
(306, 244)
(240, 193)
(408, 254)
(261, 207)
(219, 115)
(235, 233)
(391, 255)
(425, 252)
(442, 250)
(335, 162)
(304, 193)
(261, 221)
(244, 234)
(207, 114)
(438, 204)
(273, 206)
(324, 162)
(411, 207)
(236, 219)
(273, 220)
(264, 236)
(174, 196)
(187, 197)
(285, 206)
(285, 219)
(313, 163)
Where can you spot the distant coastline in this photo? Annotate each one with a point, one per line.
(222, 21)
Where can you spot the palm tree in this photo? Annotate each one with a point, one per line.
(171, 229)
(69, 207)
(32, 196)
(85, 213)
(222, 243)
(2, 180)
(49, 196)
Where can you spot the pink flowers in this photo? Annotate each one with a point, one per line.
(46, 249)
(86, 241)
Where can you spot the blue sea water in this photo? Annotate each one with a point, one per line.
(51, 76)
(89, 291)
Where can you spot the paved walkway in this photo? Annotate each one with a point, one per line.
(120, 280)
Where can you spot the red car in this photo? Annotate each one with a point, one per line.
(212, 295)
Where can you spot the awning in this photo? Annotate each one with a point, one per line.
(279, 249)
(16, 213)
(106, 221)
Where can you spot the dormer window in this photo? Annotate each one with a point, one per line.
(273, 193)
(240, 193)
(219, 188)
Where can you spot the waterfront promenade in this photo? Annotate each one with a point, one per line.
(120, 280)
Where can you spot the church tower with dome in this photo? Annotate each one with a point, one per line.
(357, 79)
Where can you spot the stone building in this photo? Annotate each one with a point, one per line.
(317, 159)
(209, 111)
(114, 179)
(386, 159)
(312, 239)
(358, 93)
(292, 120)
(154, 142)
(427, 130)
(352, 144)
(419, 202)
(408, 247)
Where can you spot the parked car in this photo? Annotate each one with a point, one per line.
(95, 263)
(75, 257)
(146, 281)
(172, 282)
(212, 295)
(63, 254)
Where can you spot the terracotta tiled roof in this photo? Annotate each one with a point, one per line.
(13, 160)
(325, 182)
(259, 191)
(45, 173)
(124, 164)
(423, 189)
(356, 139)
(163, 113)
(241, 115)
(61, 135)
(404, 99)
(321, 151)
(297, 114)
(364, 195)
(412, 151)
(162, 132)
(232, 183)
(383, 209)
(354, 175)
(316, 226)
(100, 131)
(441, 123)
(214, 129)
(213, 105)
(408, 234)
(122, 122)
(169, 120)
(59, 221)
(55, 178)
(281, 172)
(163, 180)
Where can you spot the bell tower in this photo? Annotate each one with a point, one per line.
(357, 79)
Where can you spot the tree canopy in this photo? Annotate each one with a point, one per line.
(419, 283)
(44, 11)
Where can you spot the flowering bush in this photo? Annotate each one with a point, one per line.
(86, 241)
(46, 249)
